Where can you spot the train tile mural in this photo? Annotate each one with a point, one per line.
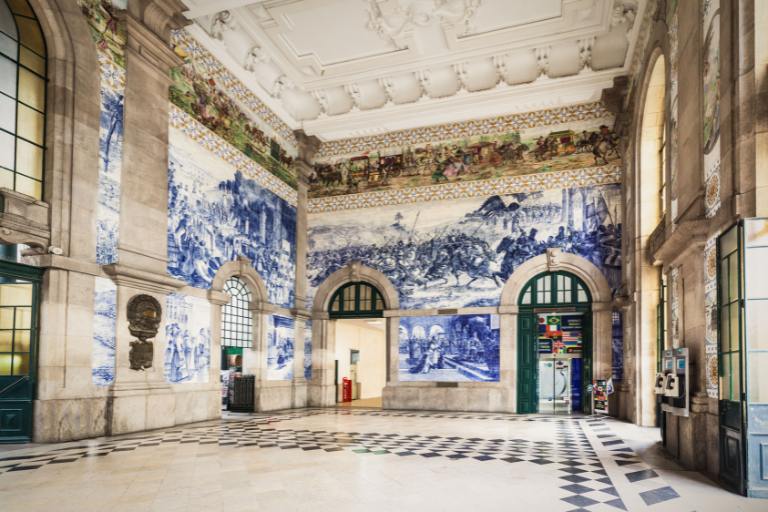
(447, 254)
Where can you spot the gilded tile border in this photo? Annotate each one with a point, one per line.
(211, 66)
(193, 129)
(496, 186)
(472, 128)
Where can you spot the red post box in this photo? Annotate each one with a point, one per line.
(346, 390)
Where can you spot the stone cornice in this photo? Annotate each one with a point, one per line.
(687, 235)
(143, 280)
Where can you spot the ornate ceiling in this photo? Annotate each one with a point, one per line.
(350, 68)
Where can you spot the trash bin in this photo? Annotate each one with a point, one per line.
(243, 395)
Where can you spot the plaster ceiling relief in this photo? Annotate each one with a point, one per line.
(338, 66)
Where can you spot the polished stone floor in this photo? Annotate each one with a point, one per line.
(368, 460)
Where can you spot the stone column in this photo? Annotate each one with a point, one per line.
(602, 335)
(322, 392)
(508, 354)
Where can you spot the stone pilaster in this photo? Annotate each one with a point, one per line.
(308, 146)
(141, 399)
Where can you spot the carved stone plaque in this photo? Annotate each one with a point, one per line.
(144, 314)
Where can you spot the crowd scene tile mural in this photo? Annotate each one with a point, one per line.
(108, 32)
(197, 93)
(104, 325)
(216, 214)
(460, 253)
(449, 348)
(537, 150)
(281, 347)
(188, 338)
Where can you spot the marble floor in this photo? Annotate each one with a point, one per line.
(366, 460)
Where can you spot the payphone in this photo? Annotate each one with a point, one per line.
(672, 383)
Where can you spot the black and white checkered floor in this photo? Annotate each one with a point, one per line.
(571, 463)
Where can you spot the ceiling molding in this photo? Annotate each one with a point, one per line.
(336, 68)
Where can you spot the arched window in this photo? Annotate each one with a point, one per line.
(236, 320)
(555, 288)
(22, 99)
(359, 300)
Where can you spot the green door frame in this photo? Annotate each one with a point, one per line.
(17, 393)
(538, 297)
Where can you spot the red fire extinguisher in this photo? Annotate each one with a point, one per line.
(346, 390)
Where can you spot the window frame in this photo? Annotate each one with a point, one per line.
(236, 315)
(18, 103)
(346, 302)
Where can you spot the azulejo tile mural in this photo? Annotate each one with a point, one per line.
(308, 350)
(188, 335)
(196, 91)
(711, 317)
(104, 325)
(459, 253)
(281, 345)
(214, 144)
(108, 32)
(449, 348)
(711, 107)
(531, 151)
(216, 213)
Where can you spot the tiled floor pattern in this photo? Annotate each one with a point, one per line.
(630, 472)
(556, 463)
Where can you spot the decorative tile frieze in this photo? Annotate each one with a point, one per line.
(190, 127)
(464, 129)
(498, 186)
(210, 66)
(710, 316)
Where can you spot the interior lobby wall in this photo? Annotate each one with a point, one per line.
(372, 344)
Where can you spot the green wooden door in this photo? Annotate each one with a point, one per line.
(527, 364)
(19, 292)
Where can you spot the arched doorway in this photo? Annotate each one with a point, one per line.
(554, 344)
(356, 310)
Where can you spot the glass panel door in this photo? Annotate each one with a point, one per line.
(730, 359)
(18, 342)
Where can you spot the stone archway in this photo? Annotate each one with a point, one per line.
(243, 269)
(555, 260)
(322, 389)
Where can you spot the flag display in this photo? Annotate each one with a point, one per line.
(560, 333)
